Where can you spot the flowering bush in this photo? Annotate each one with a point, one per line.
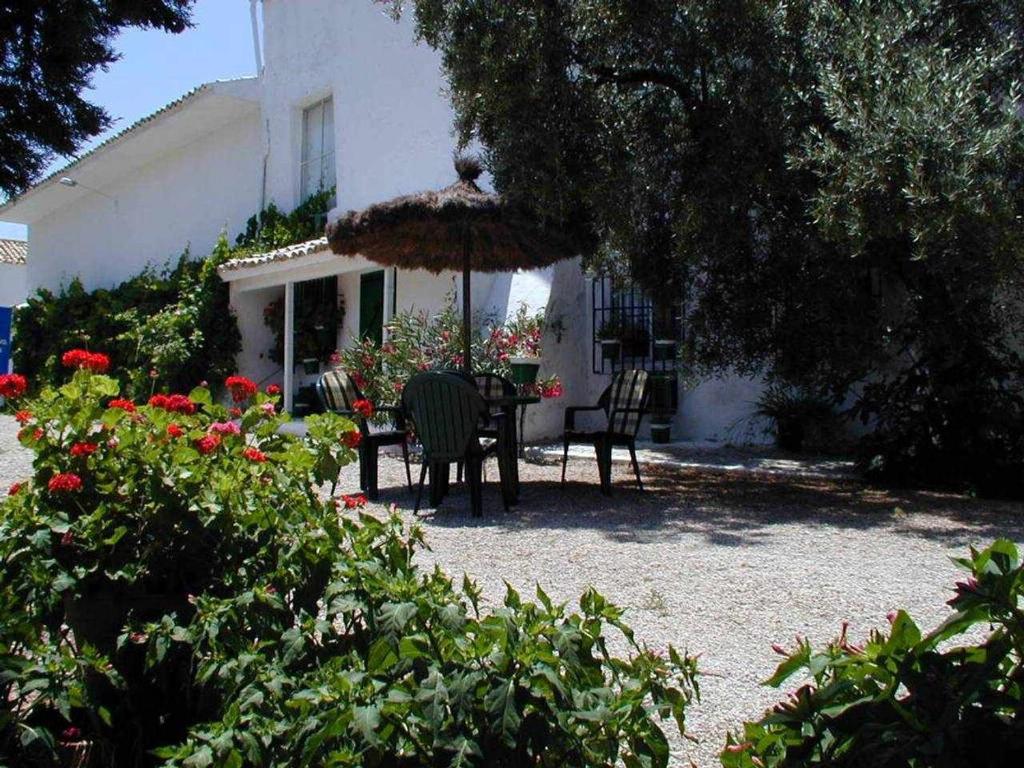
(131, 512)
(420, 341)
(182, 591)
(906, 699)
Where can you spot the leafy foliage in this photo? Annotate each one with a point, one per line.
(903, 698)
(132, 512)
(163, 330)
(418, 341)
(50, 51)
(821, 182)
(173, 585)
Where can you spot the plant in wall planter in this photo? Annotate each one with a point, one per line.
(619, 337)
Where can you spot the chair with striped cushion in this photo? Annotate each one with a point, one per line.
(492, 386)
(338, 393)
(624, 403)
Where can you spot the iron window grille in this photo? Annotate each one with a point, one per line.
(631, 331)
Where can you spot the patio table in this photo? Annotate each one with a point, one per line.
(508, 451)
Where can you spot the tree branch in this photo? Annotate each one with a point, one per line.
(645, 76)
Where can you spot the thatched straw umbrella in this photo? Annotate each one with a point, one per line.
(458, 227)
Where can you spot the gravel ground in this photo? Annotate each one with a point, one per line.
(721, 563)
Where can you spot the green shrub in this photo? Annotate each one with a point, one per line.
(903, 698)
(163, 330)
(173, 588)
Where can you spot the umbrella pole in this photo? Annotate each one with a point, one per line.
(467, 312)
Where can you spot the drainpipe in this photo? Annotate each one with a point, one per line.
(253, 16)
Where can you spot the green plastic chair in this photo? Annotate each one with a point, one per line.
(338, 393)
(446, 410)
(624, 403)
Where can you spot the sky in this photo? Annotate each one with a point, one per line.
(156, 68)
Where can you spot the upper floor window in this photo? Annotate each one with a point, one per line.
(317, 148)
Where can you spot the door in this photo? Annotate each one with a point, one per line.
(371, 306)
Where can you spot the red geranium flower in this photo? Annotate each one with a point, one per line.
(353, 502)
(240, 387)
(96, 362)
(173, 430)
(352, 439)
(121, 404)
(173, 403)
(254, 454)
(12, 385)
(273, 389)
(208, 443)
(23, 417)
(15, 488)
(364, 408)
(235, 412)
(65, 482)
(83, 449)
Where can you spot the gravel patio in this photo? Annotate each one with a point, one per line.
(722, 562)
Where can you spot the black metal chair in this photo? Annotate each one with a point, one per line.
(338, 393)
(446, 410)
(624, 403)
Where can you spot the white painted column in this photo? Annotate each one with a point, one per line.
(289, 346)
(390, 275)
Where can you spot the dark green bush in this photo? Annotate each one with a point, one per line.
(906, 699)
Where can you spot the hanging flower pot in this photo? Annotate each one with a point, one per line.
(524, 369)
(661, 432)
(610, 349)
(664, 349)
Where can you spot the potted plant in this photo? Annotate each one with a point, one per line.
(662, 405)
(619, 337)
(793, 412)
(518, 344)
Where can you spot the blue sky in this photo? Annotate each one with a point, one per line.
(155, 68)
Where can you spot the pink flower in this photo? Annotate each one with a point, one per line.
(225, 428)
(269, 409)
(67, 539)
(71, 733)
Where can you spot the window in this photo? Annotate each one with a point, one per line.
(631, 330)
(317, 148)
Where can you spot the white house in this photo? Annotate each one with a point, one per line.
(344, 97)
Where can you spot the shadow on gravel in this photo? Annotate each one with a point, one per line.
(728, 508)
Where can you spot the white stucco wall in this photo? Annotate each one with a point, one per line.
(184, 198)
(13, 285)
(392, 124)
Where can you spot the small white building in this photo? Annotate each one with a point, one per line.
(345, 98)
(13, 290)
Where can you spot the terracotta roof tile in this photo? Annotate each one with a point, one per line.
(13, 251)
